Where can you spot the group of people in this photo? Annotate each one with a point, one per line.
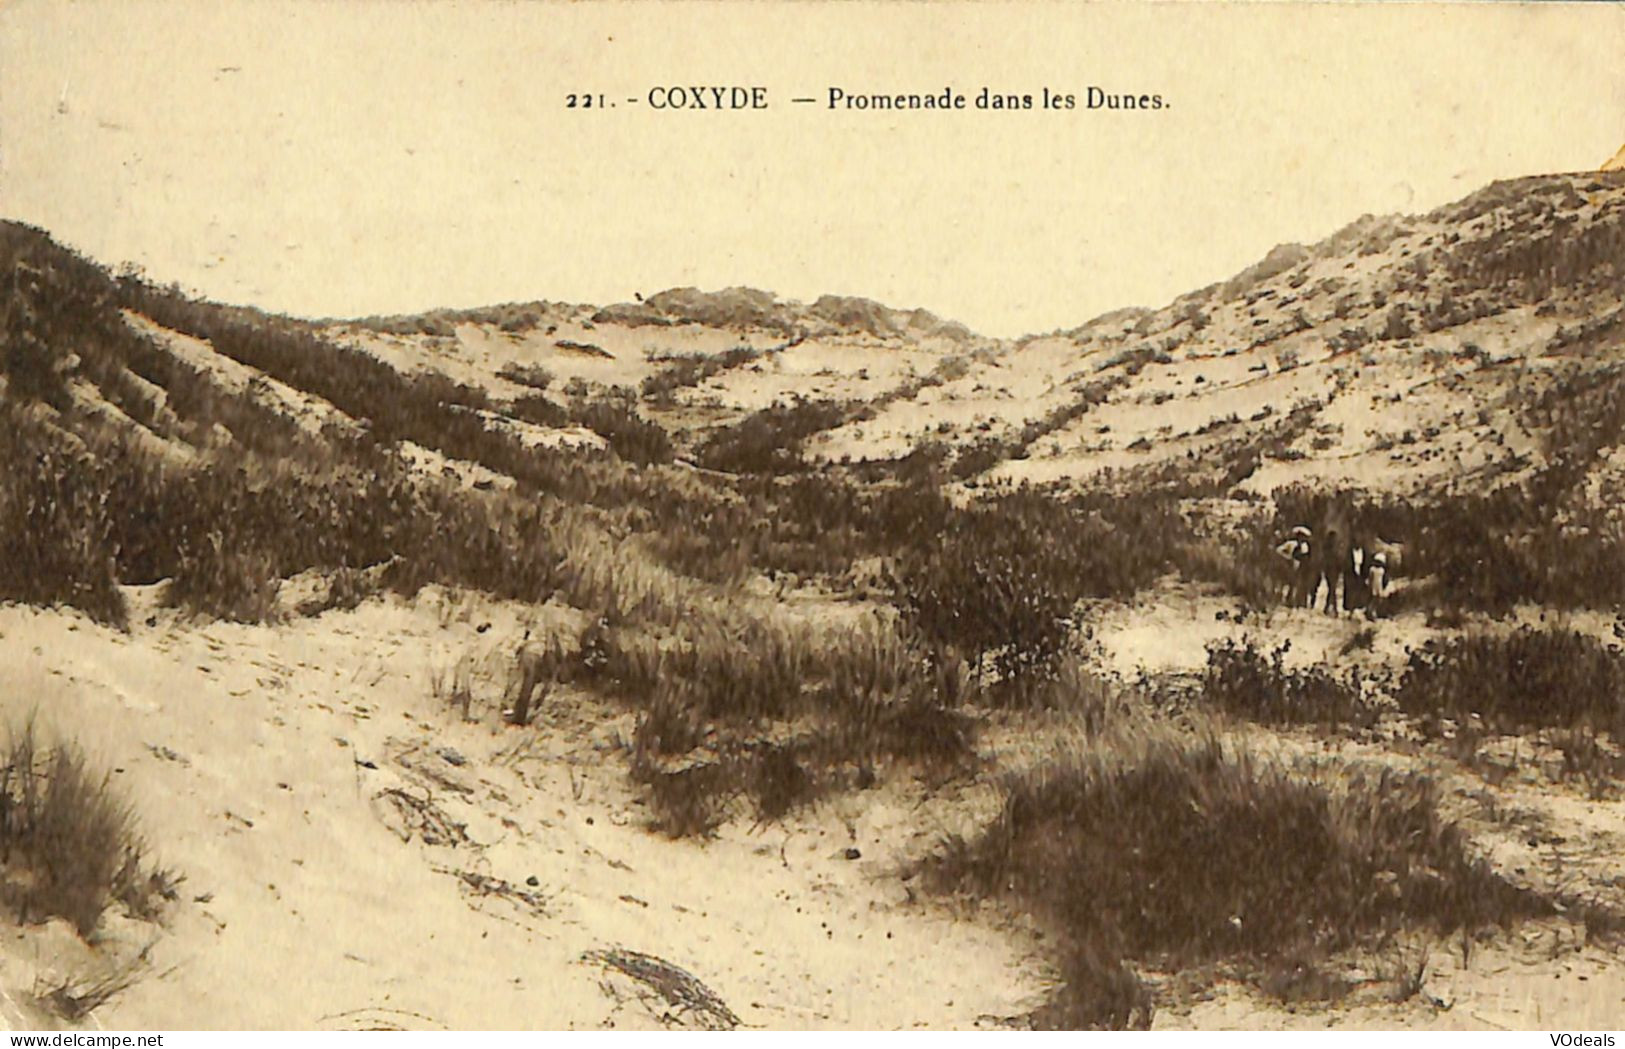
(1355, 576)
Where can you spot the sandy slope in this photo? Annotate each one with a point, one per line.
(310, 412)
(249, 753)
(258, 759)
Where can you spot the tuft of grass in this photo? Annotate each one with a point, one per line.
(1408, 971)
(74, 998)
(1301, 977)
(68, 844)
(686, 802)
(347, 588)
(671, 725)
(1099, 992)
(777, 712)
(223, 579)
(1181, 850)
(455, 687)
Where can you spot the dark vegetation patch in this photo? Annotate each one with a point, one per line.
(998, 581)
(346, 588)
(1099, 991)
(532, 375)
(616, 419)
(58, 528)
(538, 410)
(68, 844)
(690, 370)
(1528, 680)
(777, 713)
(1243, 680)
(769, 441)
(1176, 852)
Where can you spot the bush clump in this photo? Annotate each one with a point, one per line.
(534, 376)
(59, 534)
(1527, 680)
(1242, 679)
(1175, 851)
(842, 704)
(1000, 581)
(769, 441)
(632, 437)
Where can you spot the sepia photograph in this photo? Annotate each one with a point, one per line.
(771, 516)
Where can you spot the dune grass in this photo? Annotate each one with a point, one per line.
(68, 843)
(1528, 680)
(1244, 680)
(774, 710)
(1175, 850)
(59, 533)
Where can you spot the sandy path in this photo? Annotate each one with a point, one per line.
(1539, 977)
(301, 908)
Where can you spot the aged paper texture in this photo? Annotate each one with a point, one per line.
(860, 516)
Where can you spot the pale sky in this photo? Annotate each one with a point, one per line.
(367, 157)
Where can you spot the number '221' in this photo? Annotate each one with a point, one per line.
(584, 102)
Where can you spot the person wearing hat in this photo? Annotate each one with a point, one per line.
(1298, 551)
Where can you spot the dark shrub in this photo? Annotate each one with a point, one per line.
(1530, 679)
(59, 536)
(533, 375)
(1243, 680)
(635, 439)
(1179, 851)
(999, 580)
(539, 410)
